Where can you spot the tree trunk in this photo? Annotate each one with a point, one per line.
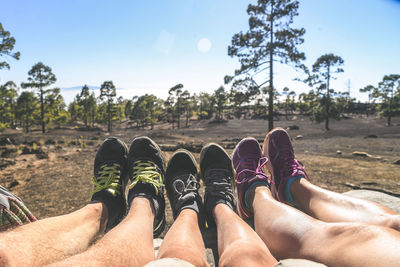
(328, 101)
(271, 81)
(42, 110)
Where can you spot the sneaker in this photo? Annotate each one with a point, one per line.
(217, 173)
(283, 165)
(146, 165)
(248, 163)
(111, 178)
(182, 183)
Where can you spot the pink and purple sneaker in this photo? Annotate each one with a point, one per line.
(282, 165)
(248, 163)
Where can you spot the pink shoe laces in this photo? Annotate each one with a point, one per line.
(249, 164)
(292, 167)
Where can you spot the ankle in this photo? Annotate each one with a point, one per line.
(249, 195)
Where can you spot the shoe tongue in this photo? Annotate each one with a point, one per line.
(216, 174)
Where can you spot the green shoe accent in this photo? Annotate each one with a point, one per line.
(109, 179)
(146, 172)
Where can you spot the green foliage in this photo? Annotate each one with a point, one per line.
(146, 110)
(7, 43)
(322, 73)
(27, 109)
(221, 101)
(39, 77)
(8, 99)
(269, 38)
(388, 95)
(108, 92)
(206, 104)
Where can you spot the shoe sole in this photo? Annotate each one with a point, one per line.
(269, 166)
(203, 152)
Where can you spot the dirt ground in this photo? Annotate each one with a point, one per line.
(60, 182)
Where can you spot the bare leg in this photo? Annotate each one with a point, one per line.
(289, 233)
(54, 238)
(130, 243)
(238, 244)
(184, 240)
(329, 206)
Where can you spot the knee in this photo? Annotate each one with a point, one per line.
(393, 221)
(5, 259)
(188, 254)
(244, 253)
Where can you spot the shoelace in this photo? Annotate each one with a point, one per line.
(145, 171)
(185, 191)
(249, 164)
(217, 187)
(292, 166)
(109, 178)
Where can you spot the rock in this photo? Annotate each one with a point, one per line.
(4, 163)
(50, 142)
(6, 141)
(365, 155)
(298, 263)
(397, 162)
(293, 127)
(298, 137)
(338, 152)
(375, 196)
(42, 155)
(371, 136)
(9, 152)
(12, 184)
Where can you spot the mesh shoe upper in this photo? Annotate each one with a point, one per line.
(248, 163)
(217, 173)
(283, 165)
(110, 179)
(181, 183)
(146, 164)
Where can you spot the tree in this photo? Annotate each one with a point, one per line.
(54, 106)
(289, 101)
(107, 91)
(388, 92)
(26, 109)
(83, 100)
(177, 99)
(206, 105)
(370, 90)
(322, 73)
(8, 97)
(40, 76)
(221, 99)
(7, 43)
(269, 39)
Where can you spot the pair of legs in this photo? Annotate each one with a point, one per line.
(67, 239)
(327, 227)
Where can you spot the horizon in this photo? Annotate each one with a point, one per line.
(150, 47)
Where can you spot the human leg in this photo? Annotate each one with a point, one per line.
(289, 233)
(238, 244)
(184, 239)
(319, 203)
(54, 238)
(131, 242)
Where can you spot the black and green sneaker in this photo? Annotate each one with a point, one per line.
(182, 184)
(217, 173)
(146, 170)
(111, 178)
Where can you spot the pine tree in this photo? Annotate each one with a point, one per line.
(107, 91)
(269, 39)
(40, 76)
(322, 73)
(7, 43)
(388, 93)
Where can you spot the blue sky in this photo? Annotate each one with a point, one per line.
(149, 46)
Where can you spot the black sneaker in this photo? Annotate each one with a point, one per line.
(111, 178)
(182, 183)
(146, 170)
(217, 173)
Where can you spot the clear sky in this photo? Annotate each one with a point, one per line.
(149, 46)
